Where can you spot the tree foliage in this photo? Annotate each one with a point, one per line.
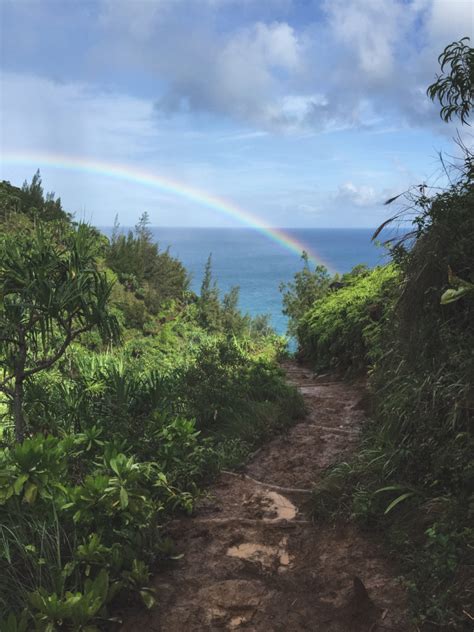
(300, 294)
(343, 329)
(30, 201)
(52, 292)
(150, 274)
(413, 476)
(209, 303)
(118, 438)
(454, 88)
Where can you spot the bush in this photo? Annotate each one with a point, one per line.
(343, 329)
(225, 390)
(120, 438)
(413, 477)
(75, 513)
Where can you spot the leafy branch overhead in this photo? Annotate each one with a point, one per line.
(455, 88)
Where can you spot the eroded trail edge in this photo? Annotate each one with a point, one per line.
(253, 560)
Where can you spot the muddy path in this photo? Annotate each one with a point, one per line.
(252, 558)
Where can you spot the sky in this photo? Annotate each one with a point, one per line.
(304, 113)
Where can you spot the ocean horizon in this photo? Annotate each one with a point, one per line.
(257, 264)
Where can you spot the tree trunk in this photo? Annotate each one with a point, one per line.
(18, 411)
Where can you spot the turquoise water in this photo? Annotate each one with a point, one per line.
(243, 257)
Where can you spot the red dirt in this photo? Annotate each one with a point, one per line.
(254, 561)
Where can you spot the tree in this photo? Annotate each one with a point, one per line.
(29, 203)
(298, 296)
(154, 276)
(233, 321)
(35, 204)
(33, 192)
(455, 89)
(51, 292)
(209, 305)
(142, 229)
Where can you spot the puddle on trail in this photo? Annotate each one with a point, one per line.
(269, 505)
(237, 622)
(285, 510)
(266, 555)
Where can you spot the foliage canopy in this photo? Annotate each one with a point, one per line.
(52, 292)
(455, 88)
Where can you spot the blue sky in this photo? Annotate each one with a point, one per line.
(304, 112)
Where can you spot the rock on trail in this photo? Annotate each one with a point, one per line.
(252, 558)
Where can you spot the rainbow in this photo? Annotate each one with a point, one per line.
(167, 185)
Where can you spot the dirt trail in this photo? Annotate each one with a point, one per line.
(252, 558)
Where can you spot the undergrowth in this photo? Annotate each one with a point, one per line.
(413, 477)
(118, 438)
(342, 330)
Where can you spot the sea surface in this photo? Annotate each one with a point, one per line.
(257, 264)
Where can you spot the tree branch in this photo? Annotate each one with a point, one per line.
(6, 339)
(5, 389)
(47, 362)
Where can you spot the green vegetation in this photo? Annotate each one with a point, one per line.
(299, 295)
(411, 325)
(455, 89)
(344, 330)
(151, 277)
(52, 293)
(124, 393)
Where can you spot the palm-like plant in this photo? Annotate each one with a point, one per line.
(51, 293)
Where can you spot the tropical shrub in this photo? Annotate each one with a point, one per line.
(413, 476)
(150, 275)
(343, 329)
(116, 438)
(52, 292)
(68, 519)
(300, 294)
(231, 396)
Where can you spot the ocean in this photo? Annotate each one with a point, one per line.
(257, 264)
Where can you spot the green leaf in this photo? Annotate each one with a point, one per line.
(147, 598)
(390, 488)
(18, 484)
(123, 498)
(11, 621)
(98, 589)
(452, 295)
(397, 501)
(31, 492)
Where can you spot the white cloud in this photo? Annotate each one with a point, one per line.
(357, 195)
(448, 17)
(243, 72)
(277, 65)
(42, 118)
(369, 29)
(360, 62)
(383, 57)
(134, 19)
(236, 77)
(73, 118)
